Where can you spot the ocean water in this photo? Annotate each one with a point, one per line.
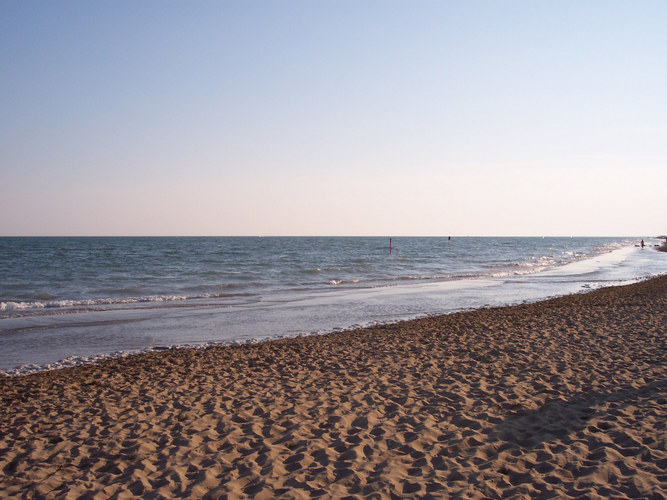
(71, 300)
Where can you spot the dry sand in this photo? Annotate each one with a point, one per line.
(559, 399)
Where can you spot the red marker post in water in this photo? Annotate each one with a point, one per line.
(390, 247)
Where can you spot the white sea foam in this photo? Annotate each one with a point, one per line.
(110, 301)
(343, 282)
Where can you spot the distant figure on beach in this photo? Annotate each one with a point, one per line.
(390, 247)
(642, 243)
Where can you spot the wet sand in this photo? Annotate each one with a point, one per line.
(564, 398)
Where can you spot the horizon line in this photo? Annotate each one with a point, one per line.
(327, 236)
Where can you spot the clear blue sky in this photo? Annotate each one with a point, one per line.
(496, 117)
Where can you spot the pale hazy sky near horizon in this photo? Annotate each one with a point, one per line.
(494, 117)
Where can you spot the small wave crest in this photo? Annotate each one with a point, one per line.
(55, 304)
(15, 306)
(343, 282)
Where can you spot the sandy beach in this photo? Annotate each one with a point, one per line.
(565, 398)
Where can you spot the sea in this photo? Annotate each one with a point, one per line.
(68, 301)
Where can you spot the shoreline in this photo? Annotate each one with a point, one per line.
(541, 399)
(57, 338)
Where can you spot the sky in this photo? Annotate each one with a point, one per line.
(281, 117)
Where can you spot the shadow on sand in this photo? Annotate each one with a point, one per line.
(557, 419)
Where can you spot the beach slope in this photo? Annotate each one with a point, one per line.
(558, 399)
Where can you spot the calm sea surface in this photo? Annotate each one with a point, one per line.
(71, 300)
